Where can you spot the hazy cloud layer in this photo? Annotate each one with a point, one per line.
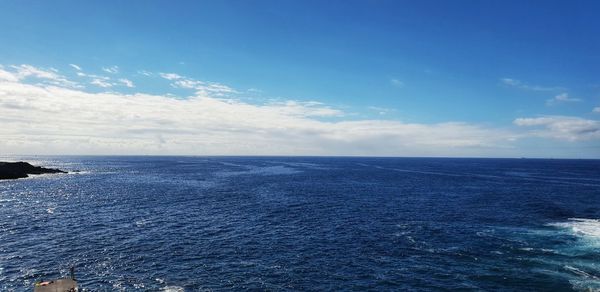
(561, 98)
(561, 127)
(525, 86)
(55, 117)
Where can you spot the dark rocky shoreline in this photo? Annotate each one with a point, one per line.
(14, 170)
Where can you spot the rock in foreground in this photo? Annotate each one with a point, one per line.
(14, 170)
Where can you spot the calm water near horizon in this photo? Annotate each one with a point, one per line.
(303, 223)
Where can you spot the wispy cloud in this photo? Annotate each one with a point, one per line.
(304, 109)
(396, 82)
(562, 127)
(49, 76)
(105, 81)
(101, 82)
(145, 73)
(97, 80)
(75, 67)
(170, 76)
(8, 76)
(203, 88)
(596, 110)
(127, 82)
(111, 70)
(561, 98)
(254, 90)
(381, 110)
(525, 86)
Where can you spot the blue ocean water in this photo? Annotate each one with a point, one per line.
(304, 223)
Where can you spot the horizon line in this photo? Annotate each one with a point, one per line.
(292, 156)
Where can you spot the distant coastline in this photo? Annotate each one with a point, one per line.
(15, 170)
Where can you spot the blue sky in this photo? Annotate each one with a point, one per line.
(527, 71)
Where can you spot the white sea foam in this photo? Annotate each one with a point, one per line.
(588, 229)
(79, 172)
(585, 281)
(581, 273)
(172, 289)
(141, 223)
(537, 250)
(585, 273)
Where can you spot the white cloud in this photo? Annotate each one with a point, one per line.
(304, 109)
(127, 82)
(170, 76)
(596, 109)
(563, 97)
(111, 70)
(75, 67)
(28, 70)
(46, 115)
(562, 127)
(510, 81)
(45, 119)
(8, 76)
(203, 88)
(49, 76)
(560, 98)
(214, 89)
(521, 85)
(101, 83)
(144, 72)
(185, 83)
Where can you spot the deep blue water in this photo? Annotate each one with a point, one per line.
(277, 223)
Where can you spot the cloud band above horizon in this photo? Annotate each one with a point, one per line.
(44, 112)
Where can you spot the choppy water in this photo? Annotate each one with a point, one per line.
(276, 223)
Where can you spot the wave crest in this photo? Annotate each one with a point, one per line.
(582, 227)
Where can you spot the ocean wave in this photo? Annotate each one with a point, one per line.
(583, 266)
(257, 170)
(585, 281)
(588, 229)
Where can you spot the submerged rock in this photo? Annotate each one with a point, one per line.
(14, 170)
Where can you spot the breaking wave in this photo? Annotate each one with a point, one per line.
(581, 254)
(587, 230)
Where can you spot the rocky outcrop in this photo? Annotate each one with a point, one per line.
(14, 170)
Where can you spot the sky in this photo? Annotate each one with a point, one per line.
(359, 78)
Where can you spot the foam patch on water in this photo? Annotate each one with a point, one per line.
(587, 229)
(172, 289)
(142, 222)
(75, 172)
(584, 273)
(585, 280)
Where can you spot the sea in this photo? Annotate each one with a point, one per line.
(178, 223)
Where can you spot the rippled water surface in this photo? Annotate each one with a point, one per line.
(276, 223)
